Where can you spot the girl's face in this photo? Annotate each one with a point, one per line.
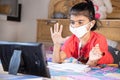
(77, 21)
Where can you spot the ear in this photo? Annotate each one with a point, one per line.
(92, 23)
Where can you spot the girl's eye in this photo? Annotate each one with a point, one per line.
(80, 22)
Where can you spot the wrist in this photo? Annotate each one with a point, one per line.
(56, 44)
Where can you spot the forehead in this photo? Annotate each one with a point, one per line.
(78, 17)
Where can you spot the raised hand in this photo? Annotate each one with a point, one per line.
(95, 53)
(56, 34)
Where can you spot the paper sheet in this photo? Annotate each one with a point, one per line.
(70, 67)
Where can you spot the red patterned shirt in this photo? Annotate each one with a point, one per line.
(71, 48)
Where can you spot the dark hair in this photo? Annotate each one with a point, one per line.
(86, 9)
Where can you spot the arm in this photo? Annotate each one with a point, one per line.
(56, 53)
(58, 56)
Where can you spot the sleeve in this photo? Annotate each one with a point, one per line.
(107, 57)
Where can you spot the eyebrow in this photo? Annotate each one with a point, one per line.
(77, 20)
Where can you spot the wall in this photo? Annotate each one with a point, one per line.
(25, 30)
(8, 30)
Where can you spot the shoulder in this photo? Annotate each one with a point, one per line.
(100, 39)
(98, 35)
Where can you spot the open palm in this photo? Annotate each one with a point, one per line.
(56, 34)
(95, 53)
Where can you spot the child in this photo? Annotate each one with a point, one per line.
(85, 45)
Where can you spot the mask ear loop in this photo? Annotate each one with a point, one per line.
(89, 27)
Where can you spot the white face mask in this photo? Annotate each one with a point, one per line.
(79, 31)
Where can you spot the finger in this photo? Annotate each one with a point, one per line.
(55, 27)
(97, 51)
(51, 31)
(97, 47)
(61, 28)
